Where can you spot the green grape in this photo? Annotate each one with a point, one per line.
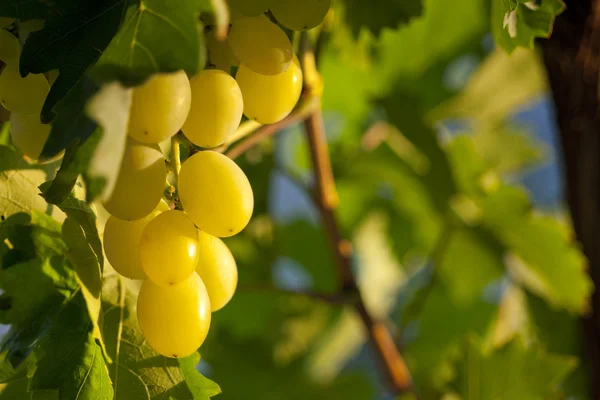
(249, 8)
(260, 45)
(299, 15)
(216, 267)
(216, 110)
(215, 193)
(122, 241)
(175, 319)
(270, 98)
(28, 133)
(221, 55)
(10, 47)
(140, 182)
(22, 95)
(159, 107)
(169, 248)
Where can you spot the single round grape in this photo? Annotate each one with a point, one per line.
(300, 15)
(28, 133)
(221, 55)
(169, 248)
(22, 95)
(217, 268)
(140, 182)
(216, 110)
(250, 8)
(260, 45)
(270, 98)
(175, 319)
(10, 47)
(159, 107)
(215, 193)
(122, 243)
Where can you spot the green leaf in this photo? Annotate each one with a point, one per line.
(28, 9)
(499, 374)
(138, 372)
(74, 163)
(71, 41)
(18, 185)
(70, 123)
(382, 14)
(110, 109)
(438, 330)
(519, 23)
(70, 360)
(543, 258)
(156, 36)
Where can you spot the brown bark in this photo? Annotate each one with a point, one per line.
(572, 56)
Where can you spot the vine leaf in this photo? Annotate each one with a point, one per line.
(156, 36)
(70, 359)
(84, 251)
(137, 371)
(517, 23)
(381, 14)
(485, 375)
(71, 41)
(28, 9)
(110, 109)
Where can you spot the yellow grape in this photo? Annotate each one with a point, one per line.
(299, 15)
(10, 47)
(216, 110)
(249, 8)
(174, 319)
(169, 248)
(140, 182)
(215, 193)
(122, 242)
(260, 45)
(221, 55)
(270, 98)
(22, 95)
(159, 107)
(28, 133)
(5, 22)
(217, 268)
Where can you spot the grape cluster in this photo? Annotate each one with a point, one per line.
(23, 97)
(187, 270)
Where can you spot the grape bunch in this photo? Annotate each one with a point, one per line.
(175, 247)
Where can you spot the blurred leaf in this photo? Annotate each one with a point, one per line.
(439, 326)
(70, 41)
(26, 10)
(494, 91)
(138, 372)
(545, 261)
(383, 14)
(156, 36)
(109, 108)
(499, 374)
(71, 361)
(517, 23)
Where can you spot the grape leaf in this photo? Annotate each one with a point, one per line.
(518, 23)
(138, 372)
(70, 360)
(485, 375)
(110, 109)
(382, 14)
(71, 41)
(156, 36)
(28, 9)
(545, 261)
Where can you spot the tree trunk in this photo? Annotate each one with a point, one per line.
(572, 57)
